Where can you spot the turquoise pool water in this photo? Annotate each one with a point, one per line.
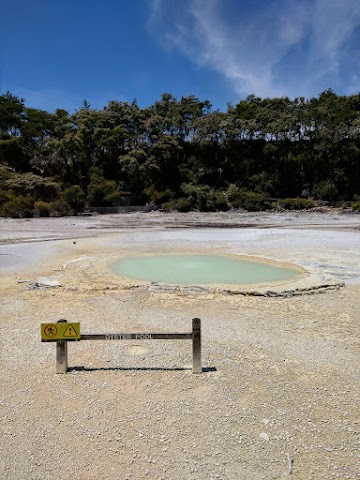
(200, 269)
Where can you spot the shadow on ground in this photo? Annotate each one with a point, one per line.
(137, 369)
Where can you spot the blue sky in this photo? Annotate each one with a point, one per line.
(56, 53)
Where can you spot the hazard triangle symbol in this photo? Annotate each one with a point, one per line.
(70, 331)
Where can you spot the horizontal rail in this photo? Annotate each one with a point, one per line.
(137, 336)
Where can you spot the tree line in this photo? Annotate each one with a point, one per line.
(179, 154)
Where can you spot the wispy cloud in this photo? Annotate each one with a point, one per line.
(155, 10)
(287, 47)
(353, 85)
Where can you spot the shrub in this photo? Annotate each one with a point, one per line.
(5, 197)
(18, 207)
(232, 193)
(296, 203)
(33, 185)
(181, 204)
(356, 207)
(103, 192)
(326, 190)
(220, 202)
(60, 208)
(6, 173)
(158, 197)
(251, 201)
(42, 209)
(168, 206)
(75, 197)
(200, 196)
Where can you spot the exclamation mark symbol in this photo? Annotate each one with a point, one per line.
(70, 331)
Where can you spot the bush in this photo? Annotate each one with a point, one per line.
(232, 193)
(5, 197)
(75, 197)
(168, 206)
(33, 185)
(6, 173)
(251, 201)
(181, 204)
(326, 190)
(296, 203)
(158, 197)
(199, 200)
(200, 196)
(18, 207)
(60, 208)
(220, 202)
(356, 207)
(42, 209)
(103, 192)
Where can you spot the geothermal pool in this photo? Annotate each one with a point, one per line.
(201, 269)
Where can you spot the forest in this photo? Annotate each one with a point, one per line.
(180, 154)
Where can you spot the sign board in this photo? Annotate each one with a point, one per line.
(52, 332)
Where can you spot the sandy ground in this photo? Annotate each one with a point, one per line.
(279, 395)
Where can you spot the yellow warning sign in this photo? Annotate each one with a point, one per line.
(70, 331)
(52, 332)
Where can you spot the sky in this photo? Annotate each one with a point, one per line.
(57, 53)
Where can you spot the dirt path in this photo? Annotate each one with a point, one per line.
(280, 390)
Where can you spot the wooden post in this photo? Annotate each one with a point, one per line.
(196, 344)
(61, 354)
(61, 357)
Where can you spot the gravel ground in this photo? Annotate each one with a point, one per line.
(279, 395)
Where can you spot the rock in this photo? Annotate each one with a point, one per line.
(265, 436)
(45, 282)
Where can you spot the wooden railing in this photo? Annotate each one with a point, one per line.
(63, 332)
